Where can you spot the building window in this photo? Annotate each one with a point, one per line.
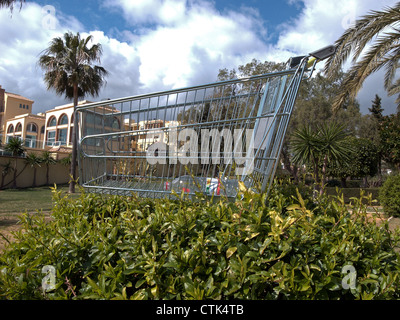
(30, 141)
(62, 136)
(32, 127)
(63, 119)
(42, 130)
(10, 129)
(52, 122)
(51, 138)
(18, 128)
(20, 105)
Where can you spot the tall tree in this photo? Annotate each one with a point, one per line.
(16, 146)
(389, 129)
(363, 162)
(374, 41)
(376, 108)
(70, 70)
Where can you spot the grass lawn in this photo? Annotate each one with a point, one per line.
(27, 200)
(13, 203)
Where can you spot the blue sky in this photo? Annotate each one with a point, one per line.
(95, 15)
(152, 45)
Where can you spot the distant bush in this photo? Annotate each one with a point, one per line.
(350, 193)
(389, 196)
(284, 246)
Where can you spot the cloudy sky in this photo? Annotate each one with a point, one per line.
(152, 45)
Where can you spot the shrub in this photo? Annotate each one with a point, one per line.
(389, 196)
(258, 247)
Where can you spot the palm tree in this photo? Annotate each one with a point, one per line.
(334, 146)
(33, 161)
(374, 42)
(10, 4)
(317, 148)
(306, 149)
(66, 161)
(16, 146)
(48, 160)
(69, 70)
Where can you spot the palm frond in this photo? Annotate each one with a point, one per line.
(377, 29)
(10, 4)
(377, 57)
(357, 37)
(68, 63)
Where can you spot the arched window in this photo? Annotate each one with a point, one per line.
(52, 122)
(18, 128)
(10, 129)
(63, 119)
(115, 124)
(32, 127)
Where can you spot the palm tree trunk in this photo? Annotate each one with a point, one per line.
(15, 174)
(316, 177)
(47, 174)
(34, 178)
(323, 178)
(343, 182)
(74, 145)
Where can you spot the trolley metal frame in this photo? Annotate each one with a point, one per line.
(202, 138)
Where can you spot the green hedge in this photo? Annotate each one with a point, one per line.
(389, 195)
(349, 193)
(285, 246)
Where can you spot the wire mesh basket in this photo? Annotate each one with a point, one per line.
(203, 138)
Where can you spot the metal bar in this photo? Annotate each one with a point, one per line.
(176, 91)
(123, 158)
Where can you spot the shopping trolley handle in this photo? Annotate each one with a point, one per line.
(313, 57)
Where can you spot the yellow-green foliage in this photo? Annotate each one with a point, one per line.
(285, 246)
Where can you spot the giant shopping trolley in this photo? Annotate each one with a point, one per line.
(203, 138)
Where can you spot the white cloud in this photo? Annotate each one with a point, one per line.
(169, 44)
(150, 11)
(179, 43)
(122, 62)
(190, 45)
(321, 23)
(27, 33)
(21, 41)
